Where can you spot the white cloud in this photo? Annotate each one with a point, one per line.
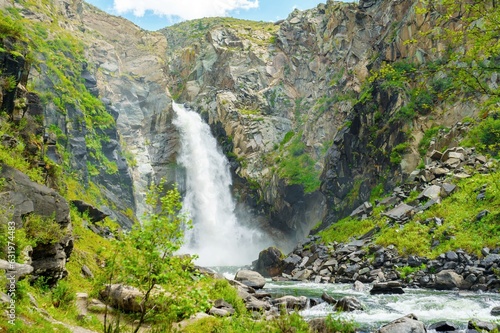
(186, 9)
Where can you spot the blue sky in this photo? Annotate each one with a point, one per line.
(157, 14)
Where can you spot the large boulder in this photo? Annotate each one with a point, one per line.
(270, 262)
(449, 280)
(406, 324)
(250, 278)
(22, 197)
(122, 297)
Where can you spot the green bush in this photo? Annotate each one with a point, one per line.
(486, 135)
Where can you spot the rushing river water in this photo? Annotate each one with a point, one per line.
(429, 306)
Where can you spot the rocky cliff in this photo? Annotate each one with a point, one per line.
(309, 122)
(308, 109)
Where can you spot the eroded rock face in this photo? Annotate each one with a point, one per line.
(27, 197)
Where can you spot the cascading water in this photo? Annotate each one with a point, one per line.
(217, 237)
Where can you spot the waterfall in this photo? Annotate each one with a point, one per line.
(217, 237)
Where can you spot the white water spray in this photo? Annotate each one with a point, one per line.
(217, 237)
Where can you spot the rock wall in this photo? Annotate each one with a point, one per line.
(263, 88)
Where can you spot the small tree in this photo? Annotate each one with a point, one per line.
(144, 257)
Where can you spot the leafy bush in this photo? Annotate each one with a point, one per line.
(486, 135)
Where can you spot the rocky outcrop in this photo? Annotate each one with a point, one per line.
(27, 197)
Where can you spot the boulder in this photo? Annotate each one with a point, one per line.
(406, 324)
(122, 297)
(392, 287)
(327, 298)
(348, 303)
(481, 326)
(270, 262)
(291, 302)
(254, 304)
(250, 278)
(495, 311)
(449, 280)
(443, 326)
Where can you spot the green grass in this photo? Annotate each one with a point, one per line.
(460, 229)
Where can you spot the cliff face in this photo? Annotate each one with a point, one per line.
(296, 106)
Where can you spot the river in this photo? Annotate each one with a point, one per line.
(429, 306)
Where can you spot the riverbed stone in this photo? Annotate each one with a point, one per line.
(481, 325)
(443, 326)
(406, 324)
(250, 278)
(348, 303)
(449, 280)
(391, 287)
(495, 311)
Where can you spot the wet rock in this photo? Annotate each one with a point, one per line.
(302, 275)
(359, 286)
(443, 326)
(406, 324)
(327, 298)
(270, 262)
(250, 278)
(291, 302)
(349, 304)
(495, 311)
(481, 326)
(392, 287)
